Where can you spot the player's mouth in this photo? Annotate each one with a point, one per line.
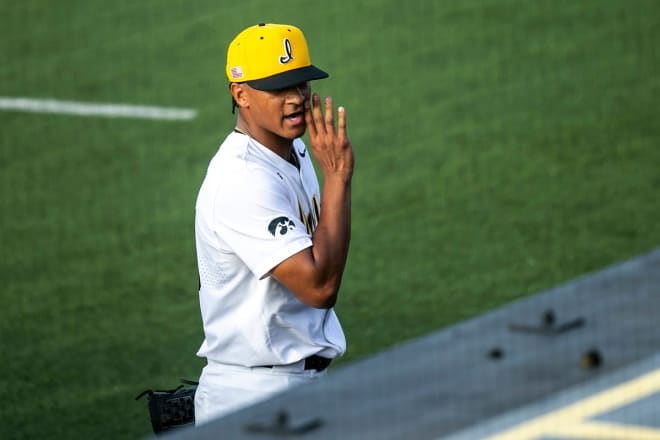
(295, 119)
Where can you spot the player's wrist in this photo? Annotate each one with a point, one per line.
(343, 176)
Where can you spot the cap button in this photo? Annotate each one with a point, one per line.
(262, 24)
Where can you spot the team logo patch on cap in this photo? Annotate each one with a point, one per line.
(288, 52)
(236, 72)
(280, 226)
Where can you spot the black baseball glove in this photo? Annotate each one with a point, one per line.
(171, 409)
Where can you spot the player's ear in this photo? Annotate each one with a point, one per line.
(240, 94)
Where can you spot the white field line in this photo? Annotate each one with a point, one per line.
(95, 109)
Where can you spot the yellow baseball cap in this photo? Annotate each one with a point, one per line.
(270, 57)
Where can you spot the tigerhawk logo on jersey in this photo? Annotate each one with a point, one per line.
(280, 226)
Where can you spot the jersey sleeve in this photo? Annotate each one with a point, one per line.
(257, 217)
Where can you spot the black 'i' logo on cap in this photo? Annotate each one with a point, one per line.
(288, 52)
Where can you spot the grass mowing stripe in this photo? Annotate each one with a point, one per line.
(95, 109)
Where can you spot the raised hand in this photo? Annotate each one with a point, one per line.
(330, 145)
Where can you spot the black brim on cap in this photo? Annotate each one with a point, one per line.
(288, 79)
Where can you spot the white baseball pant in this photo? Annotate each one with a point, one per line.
(225, 388)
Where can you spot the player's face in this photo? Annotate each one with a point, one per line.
(279, 115)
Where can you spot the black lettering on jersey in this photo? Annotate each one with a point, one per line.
(310, 219)
(280, 226)
(317, 210)
(303, 217)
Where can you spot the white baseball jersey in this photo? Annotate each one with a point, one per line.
(253, 211)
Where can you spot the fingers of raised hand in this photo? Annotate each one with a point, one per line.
(317, 123)
(309, 121)
(317, 115)
(330, 145)
(329, 116)
(341, 122)
(320, 119)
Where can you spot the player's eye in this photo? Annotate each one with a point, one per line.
(301, 88)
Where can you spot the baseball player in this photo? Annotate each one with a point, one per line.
(271, 247)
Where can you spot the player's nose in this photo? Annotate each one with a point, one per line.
(299, 92)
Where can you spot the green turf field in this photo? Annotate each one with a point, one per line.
(502, 147)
